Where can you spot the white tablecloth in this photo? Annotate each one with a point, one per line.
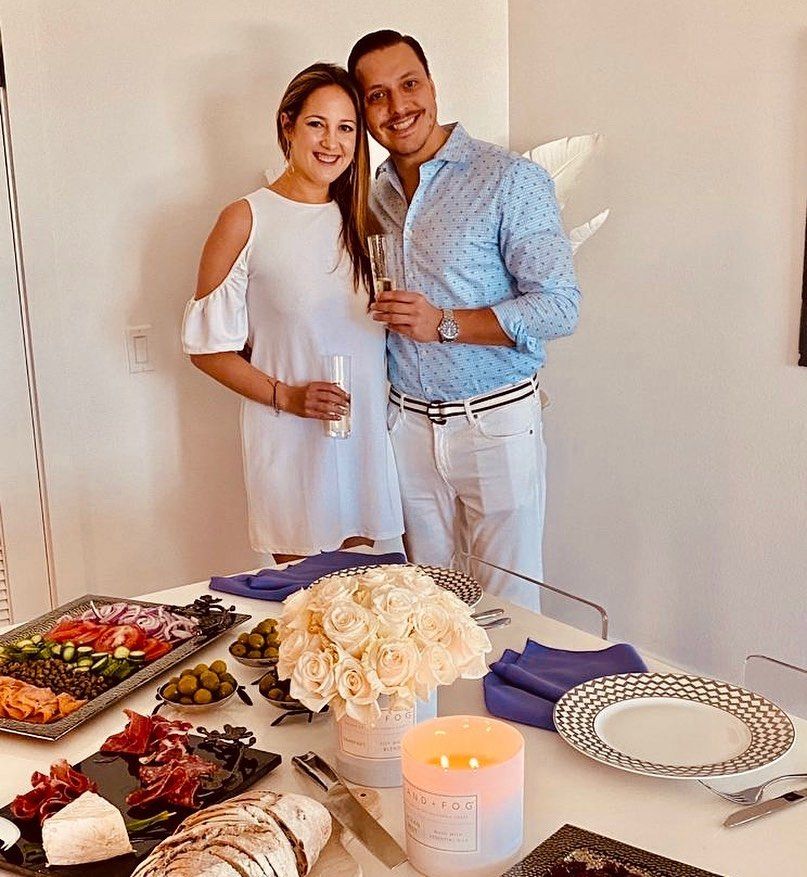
(676, 818)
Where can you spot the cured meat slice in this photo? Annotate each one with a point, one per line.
(51, 793)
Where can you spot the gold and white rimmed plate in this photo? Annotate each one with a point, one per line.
(459, 583)
(674, 726)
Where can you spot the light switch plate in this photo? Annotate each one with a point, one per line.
(139, 349)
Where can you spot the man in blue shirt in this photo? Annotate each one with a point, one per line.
(485, 278)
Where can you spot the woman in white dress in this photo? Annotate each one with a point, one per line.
(285, 272)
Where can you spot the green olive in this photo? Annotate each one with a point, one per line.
(209, 680)
(188, 684)
(202, 696)
(225, 689)
(170, 692)
(218, 667)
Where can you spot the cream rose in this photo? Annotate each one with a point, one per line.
(292, 645)
(436, 667)
(296, 611)
(393, 607)
(350, 626)
(468, 646)
(313, 681)
(358, 687)
(332, 589)
(395, 663)
(432, 622)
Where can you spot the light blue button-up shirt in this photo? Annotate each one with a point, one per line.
(483, 230)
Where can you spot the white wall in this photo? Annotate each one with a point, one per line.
(133, 124)
(678, 434)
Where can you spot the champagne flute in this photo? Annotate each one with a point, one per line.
(337, 369)
(381, 251)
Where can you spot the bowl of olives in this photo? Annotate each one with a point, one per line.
(200, 688)
(276, 691)
(259, 647)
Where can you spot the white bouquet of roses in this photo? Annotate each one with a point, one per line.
(388, 630)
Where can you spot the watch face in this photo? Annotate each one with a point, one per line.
(448, 329)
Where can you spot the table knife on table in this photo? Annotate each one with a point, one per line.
(755, 811)
(347, 810)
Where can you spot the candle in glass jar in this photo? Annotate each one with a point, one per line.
(463, 795)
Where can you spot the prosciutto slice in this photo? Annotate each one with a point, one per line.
(50, 793)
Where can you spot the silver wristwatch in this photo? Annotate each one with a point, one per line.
(448, 328)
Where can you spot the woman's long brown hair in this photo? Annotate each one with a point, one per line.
(352, 188)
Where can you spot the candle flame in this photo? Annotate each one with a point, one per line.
(473, 763)
(444, 762)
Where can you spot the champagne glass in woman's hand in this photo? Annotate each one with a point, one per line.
(338, 369)
(318, 400)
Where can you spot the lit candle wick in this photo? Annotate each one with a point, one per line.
(444, 762)
(473, 763)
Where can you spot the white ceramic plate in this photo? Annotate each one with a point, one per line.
(669, 725)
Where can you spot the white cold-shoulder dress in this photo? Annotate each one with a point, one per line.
(290, 295)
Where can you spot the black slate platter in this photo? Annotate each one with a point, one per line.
(116, 776)
(570, 839)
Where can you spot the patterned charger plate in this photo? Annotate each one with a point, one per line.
(670, 725)
(466, 588)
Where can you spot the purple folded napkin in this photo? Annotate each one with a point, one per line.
(525, 687)
(277, 584)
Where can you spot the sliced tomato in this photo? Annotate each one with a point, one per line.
(155, 648)
(80, 632)
(129, 635)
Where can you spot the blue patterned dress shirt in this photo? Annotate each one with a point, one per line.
(483, 230)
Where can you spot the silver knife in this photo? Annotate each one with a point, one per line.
(747, 814)
(347, 809)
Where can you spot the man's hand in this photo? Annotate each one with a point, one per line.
(408, 313)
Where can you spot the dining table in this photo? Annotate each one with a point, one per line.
(677, 818)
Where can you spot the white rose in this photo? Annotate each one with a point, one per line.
(358, 687)
(313, 681)
(468, 646)
(292, 646)
(331, 589)
(395, 663)
(371, 578)
(393, 607)
(432, 622)
(436, 667)
(350, 626)
(296, 611)
(416, 580)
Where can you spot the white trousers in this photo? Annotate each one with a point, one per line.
(475, 485)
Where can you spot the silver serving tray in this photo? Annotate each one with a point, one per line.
(42, 624)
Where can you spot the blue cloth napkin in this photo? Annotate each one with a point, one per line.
(525, 687)
(277, 584)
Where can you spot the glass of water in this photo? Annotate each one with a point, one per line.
(381, 262)
(337, 370)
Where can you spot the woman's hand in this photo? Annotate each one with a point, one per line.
(318, 399)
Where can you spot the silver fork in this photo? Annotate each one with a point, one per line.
(753, 793)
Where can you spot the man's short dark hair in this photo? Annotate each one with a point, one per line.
(383, 39)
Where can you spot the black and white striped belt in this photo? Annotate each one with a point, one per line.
(439, 412)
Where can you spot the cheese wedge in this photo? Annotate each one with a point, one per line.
(89, 829)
